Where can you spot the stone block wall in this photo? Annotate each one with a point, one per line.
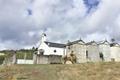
(47, 59)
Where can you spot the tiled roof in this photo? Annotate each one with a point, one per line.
(90, 43)
(103, 42)
(114, 44)
(75, 42)
(58, 45)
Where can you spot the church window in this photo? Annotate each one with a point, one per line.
(86, 54)
(101, 56)
(68, 47)
(41, 51)
(55, 51)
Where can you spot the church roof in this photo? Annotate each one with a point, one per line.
(114, 44)
(104, 42)
(92, 42)
(75, 42)
(58, 45)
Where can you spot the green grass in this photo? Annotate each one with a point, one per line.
(86, 71)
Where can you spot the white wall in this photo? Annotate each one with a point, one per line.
(93, 53)
(22, 61)
(45, 48)
(50, 50)
(80, 51)
(105, 49)
(59, 51)
(115, 53)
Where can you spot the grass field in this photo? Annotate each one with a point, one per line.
(86, 71)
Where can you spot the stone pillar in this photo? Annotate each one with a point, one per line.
(34, 58)
(14, 59)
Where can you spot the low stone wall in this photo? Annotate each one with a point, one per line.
(10, 59)
(54, 59)
(23, 61)
(47, 59)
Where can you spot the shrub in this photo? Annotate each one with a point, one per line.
(2, 57)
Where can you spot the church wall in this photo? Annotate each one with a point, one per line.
(93, 53)
(115, 53)
(45, 48)
(42, 59)
(79, 50)
(105, 50)
(51, 50)
(56, 51)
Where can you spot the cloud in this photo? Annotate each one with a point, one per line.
(105, 17)
(23, 21)
(71, 21)
(15, 25)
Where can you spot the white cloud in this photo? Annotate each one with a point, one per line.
(62, 20)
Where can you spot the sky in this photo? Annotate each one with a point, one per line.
(23, 21)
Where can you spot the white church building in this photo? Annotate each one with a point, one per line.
(50, 48)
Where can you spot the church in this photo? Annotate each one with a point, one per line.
(49, 52)
(50, 48)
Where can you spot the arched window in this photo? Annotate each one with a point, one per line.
(41, 51)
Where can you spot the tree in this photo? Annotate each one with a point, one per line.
(112, 40)
(73, 58)
(65, 59)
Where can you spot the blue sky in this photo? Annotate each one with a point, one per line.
(91, 4)
(23, 21)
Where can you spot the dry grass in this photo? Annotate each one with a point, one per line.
(86, 71)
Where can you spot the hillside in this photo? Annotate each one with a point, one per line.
(87, 71)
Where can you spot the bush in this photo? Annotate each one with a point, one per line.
(2, 58)
(21, 55)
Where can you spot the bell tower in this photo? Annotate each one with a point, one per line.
(43, 37)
